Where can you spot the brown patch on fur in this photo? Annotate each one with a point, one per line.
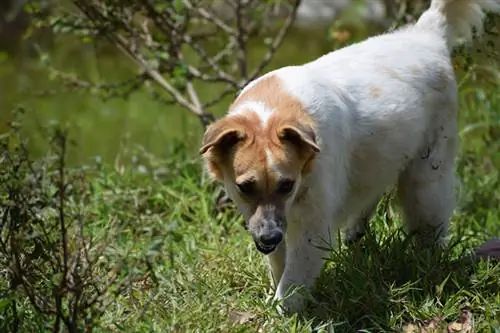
(241, 147)
(375, 91)
(415, 70)
(392, 73)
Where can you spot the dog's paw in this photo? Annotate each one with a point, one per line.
(353, 234)
(291, 304)
(429, 238)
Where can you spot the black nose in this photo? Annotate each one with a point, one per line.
(273, 237)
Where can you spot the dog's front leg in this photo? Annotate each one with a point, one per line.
(304, 262)
(276, 261)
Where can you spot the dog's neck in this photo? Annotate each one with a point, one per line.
(301, 194)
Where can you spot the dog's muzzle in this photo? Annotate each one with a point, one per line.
(267, 242)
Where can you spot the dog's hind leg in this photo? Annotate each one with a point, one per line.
(426, 189)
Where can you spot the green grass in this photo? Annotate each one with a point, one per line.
(204, 268)
(378, 285)
(212, 269)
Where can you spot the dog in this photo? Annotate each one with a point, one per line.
(307, 150)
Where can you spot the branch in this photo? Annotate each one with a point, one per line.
(275, 44)
(227, 51)
(72, 81)
(217, 99)
(176, 33)
(134, 39)
(156, 76)
(241, 40)
(210, 17)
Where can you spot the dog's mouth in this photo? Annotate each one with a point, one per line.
(265, 249)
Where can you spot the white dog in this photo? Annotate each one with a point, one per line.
(306, 150)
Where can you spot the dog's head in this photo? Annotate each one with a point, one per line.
(261, 153)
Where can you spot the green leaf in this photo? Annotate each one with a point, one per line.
(4, 303)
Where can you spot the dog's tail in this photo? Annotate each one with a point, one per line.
(456, 19)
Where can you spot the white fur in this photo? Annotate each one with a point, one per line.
(386, 114)
(260, 108)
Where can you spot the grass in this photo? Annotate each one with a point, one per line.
(195, 269)
(204, 270)
(212, 270)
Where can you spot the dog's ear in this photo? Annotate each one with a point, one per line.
(219, 138)
(222, 136)
(303, 139)
(302, 136)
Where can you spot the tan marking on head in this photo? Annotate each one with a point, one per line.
(283, 146)
(375, 91)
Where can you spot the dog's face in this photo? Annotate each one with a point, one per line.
(261, 164)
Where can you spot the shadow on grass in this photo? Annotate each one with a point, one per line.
(379, 285)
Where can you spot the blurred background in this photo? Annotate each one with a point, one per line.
(100, 67)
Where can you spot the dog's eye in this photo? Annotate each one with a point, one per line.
(246, 187)
(285, 186)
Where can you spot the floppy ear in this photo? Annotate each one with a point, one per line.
(218, 140)
(221, 138)
(302, 136)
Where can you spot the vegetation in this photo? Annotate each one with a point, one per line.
(132, 240)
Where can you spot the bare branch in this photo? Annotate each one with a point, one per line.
(184, 30)
(210, 17)
(224, 93)
(241, 38)
(157, 77)
(275, 44)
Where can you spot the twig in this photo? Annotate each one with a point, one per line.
(278, 39)
(211, 17)
(61, 140)
(192, 43)
(175, 25)
(122, 44)
(228, 50)
(71, 81)
(209, 60)
(156, 76)
(228, 90)
(241, 40)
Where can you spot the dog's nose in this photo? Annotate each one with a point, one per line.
(273, 237)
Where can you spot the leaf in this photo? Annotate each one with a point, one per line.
(341, 36)
(429, 326)
(240, 317)
(178, 5)
(163, 55)
(465, 323)
(87, 39)
(4, 302)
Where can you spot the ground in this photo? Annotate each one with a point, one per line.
(209, 277)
